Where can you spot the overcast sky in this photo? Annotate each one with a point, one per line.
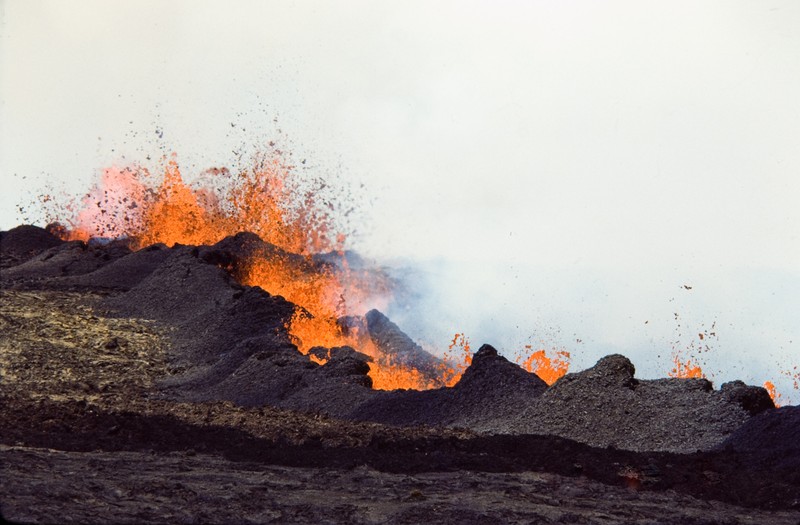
(575, 162)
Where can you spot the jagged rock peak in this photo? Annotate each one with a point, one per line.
(616, 365)
(611, 370)
(489, 369)
(754, 399)
(486, 351)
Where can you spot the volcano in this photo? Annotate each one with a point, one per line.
(122, 358)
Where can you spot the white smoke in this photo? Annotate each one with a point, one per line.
(746, 317)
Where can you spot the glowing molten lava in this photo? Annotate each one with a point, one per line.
(793, 374)
(770, 387)
(550, 369)
(269, 199)
(686, 369)
(457, 359)
(134, 203)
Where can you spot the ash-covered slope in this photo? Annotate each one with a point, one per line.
(230, 342)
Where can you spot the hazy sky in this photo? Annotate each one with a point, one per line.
(575, 163)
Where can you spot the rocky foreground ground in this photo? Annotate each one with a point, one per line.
(150, 386)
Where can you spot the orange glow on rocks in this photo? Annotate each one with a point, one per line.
(549, 369)
(268, 198)
(391, 376)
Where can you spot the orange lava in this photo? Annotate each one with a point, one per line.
(459, 356)
(267, 198)
(270, 199)
(307, 332)
(793, 374)
(685, 369)
(456, 360)
(770, 387)
(549, 369)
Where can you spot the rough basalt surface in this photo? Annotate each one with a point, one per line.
(492, 389)
(606, 406)
(159, 351)
(23, 243)
(229, 342)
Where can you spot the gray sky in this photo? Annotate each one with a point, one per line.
(601, 152)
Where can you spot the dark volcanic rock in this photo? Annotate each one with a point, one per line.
(346, 361)
(775, 431)
(400, 348)
(611, 371)
(235, 252)
(751, 398)
(606, 406)
(182, 288)
(48, 268)
(260, 372)
(232, 250)
(490, 373)
(491, 391)
(120, 274)
(19, 244)
(123, 273)
(230, 342)
(768, 445)
(406, 407)
(210, 311)
(33, 258)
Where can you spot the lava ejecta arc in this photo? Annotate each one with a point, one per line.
(270, 198)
